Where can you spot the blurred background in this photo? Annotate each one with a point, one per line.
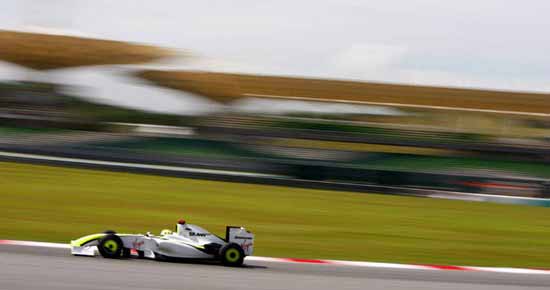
(439, 109)
(305, 107)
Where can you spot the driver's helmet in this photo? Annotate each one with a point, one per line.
(165, 232)
(180, 227)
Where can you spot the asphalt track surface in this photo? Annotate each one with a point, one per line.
(46, 268)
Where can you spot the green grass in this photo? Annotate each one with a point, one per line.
(440, 164)
(58, 204)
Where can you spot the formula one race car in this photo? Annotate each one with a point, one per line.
(188, 242)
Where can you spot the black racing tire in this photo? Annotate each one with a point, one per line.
(141, 254)
(126, 253)
(110, 246)
(232, 255)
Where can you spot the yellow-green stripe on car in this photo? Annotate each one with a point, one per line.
(89, 238)
(86, 239)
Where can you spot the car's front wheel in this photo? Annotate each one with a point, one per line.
(232, 255)
(110, 246)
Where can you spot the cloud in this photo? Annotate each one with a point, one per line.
(470, 43)
(371, 62)
(369, 57)
(419, 66)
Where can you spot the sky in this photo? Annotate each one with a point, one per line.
(495, 44)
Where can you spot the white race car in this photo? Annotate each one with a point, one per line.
(188, 242)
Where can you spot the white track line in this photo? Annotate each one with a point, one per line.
(333, 262)
(35, 244)
(136, 165)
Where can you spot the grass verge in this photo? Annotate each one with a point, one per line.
(58, 204)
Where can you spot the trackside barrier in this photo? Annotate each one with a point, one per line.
(451, 182)
(344, 179)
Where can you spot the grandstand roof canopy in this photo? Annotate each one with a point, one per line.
(227, 87)
(43, 51)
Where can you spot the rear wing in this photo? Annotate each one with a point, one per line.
(242, 237)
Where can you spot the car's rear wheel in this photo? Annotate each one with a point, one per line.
(110, 246)
(232, 255)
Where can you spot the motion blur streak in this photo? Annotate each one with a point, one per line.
(414, 134)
